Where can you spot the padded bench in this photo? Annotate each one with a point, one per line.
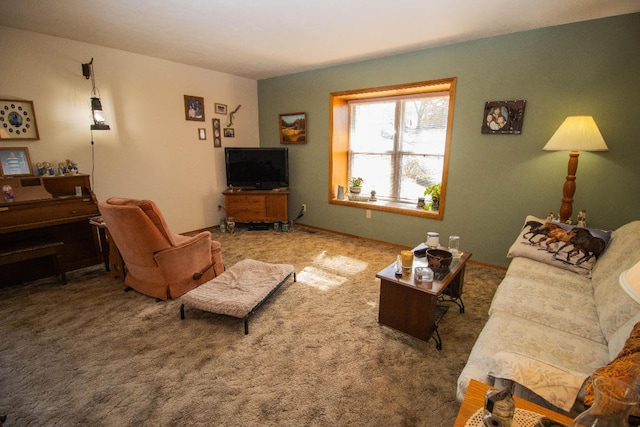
(240, 290)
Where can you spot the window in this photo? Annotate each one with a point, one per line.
(397, 139)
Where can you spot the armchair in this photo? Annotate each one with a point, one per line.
(158, 263)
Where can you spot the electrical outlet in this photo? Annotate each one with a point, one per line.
(367, 214)
(304, 207)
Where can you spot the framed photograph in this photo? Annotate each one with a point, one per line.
(221, 108)
(194, 108)
(15, 161)
(503, 117)
(18, 120)
(293, 128)
(217, 133)
(229, 132)
(202, 133)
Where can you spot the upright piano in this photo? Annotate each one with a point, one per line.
(55, 208)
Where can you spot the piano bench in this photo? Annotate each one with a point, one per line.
(25, 250)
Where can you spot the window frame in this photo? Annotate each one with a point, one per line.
(339, 155)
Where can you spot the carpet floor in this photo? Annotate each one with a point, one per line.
(88, 353)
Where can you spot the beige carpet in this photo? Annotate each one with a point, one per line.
(89, 353)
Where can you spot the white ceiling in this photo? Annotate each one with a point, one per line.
(265, 38)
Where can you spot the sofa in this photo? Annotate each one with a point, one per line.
(556, 318)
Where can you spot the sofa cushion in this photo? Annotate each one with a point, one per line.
(561, 245)
(549, 296)
(626, 367)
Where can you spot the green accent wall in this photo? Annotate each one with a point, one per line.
(494, 181)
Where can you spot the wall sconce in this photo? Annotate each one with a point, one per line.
(574, 134)
(96, 106)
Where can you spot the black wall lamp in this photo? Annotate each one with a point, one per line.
(96, 106)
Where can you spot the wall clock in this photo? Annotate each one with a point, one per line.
(17, 120)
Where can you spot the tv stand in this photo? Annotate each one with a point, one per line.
(257, 206)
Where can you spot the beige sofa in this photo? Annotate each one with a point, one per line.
(550, 328)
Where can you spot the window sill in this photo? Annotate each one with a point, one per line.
(392, 207)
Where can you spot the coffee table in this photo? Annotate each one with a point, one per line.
(411, 307)
(474, 400)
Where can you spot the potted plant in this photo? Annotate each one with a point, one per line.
(433, 191)
(355, 185)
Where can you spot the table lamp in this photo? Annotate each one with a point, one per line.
(630, 282)
(577, 133)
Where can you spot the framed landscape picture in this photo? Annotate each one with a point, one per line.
(503, 117)
(194, 108)
(293, 128)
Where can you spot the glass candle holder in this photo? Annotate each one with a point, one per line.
(454, 245)
(407, 260)
(433, 239)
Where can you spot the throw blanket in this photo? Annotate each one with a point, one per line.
(558, 386)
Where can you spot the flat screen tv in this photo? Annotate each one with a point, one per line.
(257, 168)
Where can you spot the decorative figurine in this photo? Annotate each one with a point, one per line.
(8, 193)
(72, 167)
(62, 168)
(373, 196)
(582, 218)
(47, 169)
(40, 169)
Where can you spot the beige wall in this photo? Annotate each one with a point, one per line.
(151, 151)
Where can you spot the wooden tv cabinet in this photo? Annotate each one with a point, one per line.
(249, 206)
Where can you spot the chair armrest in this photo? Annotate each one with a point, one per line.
(186, 258)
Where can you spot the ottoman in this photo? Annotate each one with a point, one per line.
(239, 290)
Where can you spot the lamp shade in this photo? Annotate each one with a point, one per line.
(630, 282)
(577, 133)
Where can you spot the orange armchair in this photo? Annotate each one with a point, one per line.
(158, 263)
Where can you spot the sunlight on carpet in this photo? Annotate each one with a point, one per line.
(320, 279)
(341, 263)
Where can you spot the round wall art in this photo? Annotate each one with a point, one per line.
(17, 120)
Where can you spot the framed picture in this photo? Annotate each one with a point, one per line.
(229, 132)
(15, 161)
(293, 128)
(503, 117)
(221, 108)
(194, 108)
(202, 133)
(18, 120)
(217, 135)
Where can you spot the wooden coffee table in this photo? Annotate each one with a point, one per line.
(411, 307)
(474, 400)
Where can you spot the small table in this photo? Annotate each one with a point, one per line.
(474, 400)
(411, 307)
(111, 257)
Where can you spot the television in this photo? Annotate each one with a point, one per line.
(257, 168)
